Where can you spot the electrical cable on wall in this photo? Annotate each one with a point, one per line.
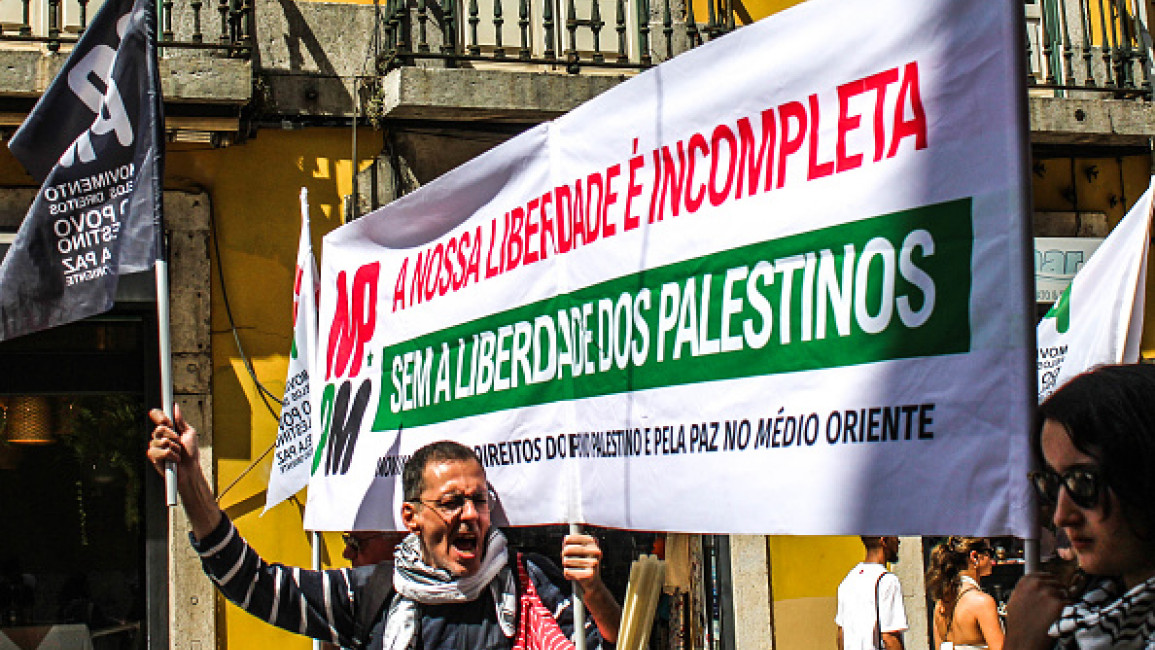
(264, 393)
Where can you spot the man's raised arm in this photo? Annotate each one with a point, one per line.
(319, 604)
(179, 444)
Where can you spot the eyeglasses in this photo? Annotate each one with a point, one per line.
(1084, 486)
(451, 505)
(355, 543)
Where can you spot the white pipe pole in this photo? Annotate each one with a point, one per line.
(317, 541)
(1027, 298)
(353, 156)
(163, 320)
(579, 607)
(163, 327)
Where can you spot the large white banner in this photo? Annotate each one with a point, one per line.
(1099, 318)
(771, 286)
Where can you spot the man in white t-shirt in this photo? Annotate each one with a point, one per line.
(870, 612)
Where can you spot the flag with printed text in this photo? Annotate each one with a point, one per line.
(294, 445)
(1099, 318)
(95, 143)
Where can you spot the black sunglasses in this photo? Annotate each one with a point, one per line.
(1085, 486)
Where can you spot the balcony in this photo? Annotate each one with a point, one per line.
(205, 65)
(1089, 73)
(1074, 47)
(56, 22)
(570, 35)
(1080, 48)
(1088, 62)
(453, 60)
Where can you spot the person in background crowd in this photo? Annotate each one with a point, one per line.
(369, 548)
(366, 548)
(965, 617)
(1097, 444)
(454, 586)
(870, 611)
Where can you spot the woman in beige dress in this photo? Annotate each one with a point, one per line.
(965, 617)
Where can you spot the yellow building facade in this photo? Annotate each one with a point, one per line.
(252, 188)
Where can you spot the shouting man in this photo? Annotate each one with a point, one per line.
(454, 584)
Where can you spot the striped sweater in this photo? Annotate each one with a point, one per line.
(323, 604)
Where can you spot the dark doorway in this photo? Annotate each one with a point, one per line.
(78, 548)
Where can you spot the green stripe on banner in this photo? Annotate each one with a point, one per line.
(895, 286)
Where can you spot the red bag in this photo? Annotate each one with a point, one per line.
(537, 629)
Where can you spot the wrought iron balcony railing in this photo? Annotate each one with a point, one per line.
(1074, 47)
(1101, 46)
(1097, 46)
(567, 33)
(222, 25)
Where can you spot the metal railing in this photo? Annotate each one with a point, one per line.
(1074, 47)
(566, 33)
(56, 22)
(1101, 46)
(1096, 46)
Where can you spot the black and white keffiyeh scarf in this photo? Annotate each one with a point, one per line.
(1106, 617)
(418, 583)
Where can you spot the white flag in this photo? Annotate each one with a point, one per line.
(1099, 318)
(294, 450)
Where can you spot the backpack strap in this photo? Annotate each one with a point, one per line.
(877, 615)
(371, 601)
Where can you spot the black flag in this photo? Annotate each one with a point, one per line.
(95, 143)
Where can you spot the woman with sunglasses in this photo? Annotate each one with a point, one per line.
(1097, 443)
(965, 617)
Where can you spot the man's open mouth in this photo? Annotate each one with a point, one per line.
(465, 543)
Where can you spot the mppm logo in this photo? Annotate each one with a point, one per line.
(354, 321)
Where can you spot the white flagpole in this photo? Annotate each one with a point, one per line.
(315, 537)
(163, 317)
(579, 607)
(1026, 235)
(165, 342)
(575, 528)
